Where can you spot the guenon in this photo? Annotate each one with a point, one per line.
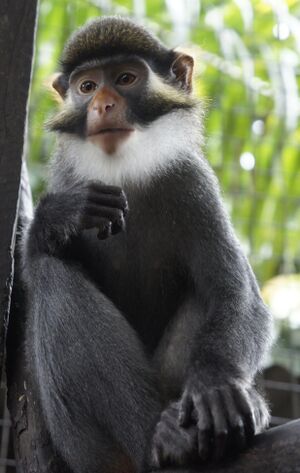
(145, 324)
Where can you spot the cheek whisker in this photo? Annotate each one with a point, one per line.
(69, 120)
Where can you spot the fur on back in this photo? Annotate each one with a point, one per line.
(147, 152)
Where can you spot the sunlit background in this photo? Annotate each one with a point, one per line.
(247, 54)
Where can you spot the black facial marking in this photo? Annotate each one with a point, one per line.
(149, 106)
(72, 120)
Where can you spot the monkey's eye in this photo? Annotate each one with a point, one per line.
(126, 78)
(87, 87)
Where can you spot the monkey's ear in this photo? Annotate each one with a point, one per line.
(182, 68)
(61, 84)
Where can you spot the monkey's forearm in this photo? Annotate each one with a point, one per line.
(236, 324)
(235, 335)
(242, 331)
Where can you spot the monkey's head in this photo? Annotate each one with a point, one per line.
(116, 78)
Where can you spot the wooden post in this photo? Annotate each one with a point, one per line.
(17, 31)
(17, 34)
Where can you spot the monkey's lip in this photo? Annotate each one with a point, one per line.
(103, 131)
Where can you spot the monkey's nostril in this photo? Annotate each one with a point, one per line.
(109, 106)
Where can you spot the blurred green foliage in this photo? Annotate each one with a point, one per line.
(248, 76)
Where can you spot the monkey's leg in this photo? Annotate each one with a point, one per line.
(96, 386)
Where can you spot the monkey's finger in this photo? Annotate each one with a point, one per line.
(116, 216)
(244, 405)
(236, 425)
(94, 221)
(118, 226)
(163, 445)
(109, 200)
(261, 411)
(156, 457)
(219, 424)
(105, 231)
(185, 410)
(106, 189)
(204, 424)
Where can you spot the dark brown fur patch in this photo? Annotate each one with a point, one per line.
(107, 36)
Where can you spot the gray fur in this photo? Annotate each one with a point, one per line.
(144, 344)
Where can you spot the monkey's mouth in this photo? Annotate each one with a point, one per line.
(109, 139)
(104, 131)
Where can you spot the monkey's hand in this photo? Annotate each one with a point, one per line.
(172, 444)
(62, 215)
(227, 415)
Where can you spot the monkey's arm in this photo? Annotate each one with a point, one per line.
(218, 393)
(231, 335)
(61, 216)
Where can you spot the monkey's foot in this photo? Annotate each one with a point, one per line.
(172, 444)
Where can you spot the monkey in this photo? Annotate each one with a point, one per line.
(145, 324)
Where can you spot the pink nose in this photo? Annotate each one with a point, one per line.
(98, 106)
(104, 101)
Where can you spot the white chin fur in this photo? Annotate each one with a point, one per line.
(146, 152)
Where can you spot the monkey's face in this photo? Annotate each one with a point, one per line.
(107, 100)
(108, 92)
